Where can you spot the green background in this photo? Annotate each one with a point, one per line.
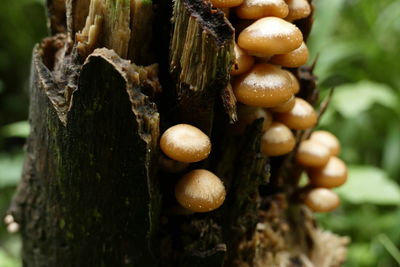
(357, 43)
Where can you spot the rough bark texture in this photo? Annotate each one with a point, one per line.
(95, 190)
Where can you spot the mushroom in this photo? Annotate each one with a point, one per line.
(293, 59)
(328, 140)
(265, 85)
(200, 191)
(312, 154)
(277, 140)
(185, 143)
(255, 9)
(295, 82)
(243, 61)
(332, 174)
(302, 116)
(284, 107)
(321, 200)
(298, 9)
(248, 114)
(270, 36)
(226, 3)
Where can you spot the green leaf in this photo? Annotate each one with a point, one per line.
(16, 129)
(11, 169)
(352, 99)
(367, 184)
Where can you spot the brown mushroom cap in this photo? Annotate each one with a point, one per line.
(332, 174)
(265, 85)
(226, 3)
(277, 140)
(302, 116)
(200, 191)
(248, 114)
(185, 143)
(255, 9)
(298, 9)
(321, 200)
(312, 154)
(293, 59)
(269, 36)
(328, 140)
(286, 106)
(243, 61)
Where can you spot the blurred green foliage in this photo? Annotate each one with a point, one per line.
(357, 46)
(357, 43)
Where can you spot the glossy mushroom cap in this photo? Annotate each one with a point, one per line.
(332, 174)
(270, 36)
(226, 3)
(321, 200)
(277, 140)
(265, 85)
(255, 9)
(328, 140)
(295, 82)
(286, 106)
(243, 61)
(185, 143)
(200, 191)
(298, 9)
(247, 115)
(312, 154)
(302, 116)
(293, 59)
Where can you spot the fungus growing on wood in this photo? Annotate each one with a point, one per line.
(200, 191)
(298, 9)
(277, 140)
(332, 174)
(185, 143)
(248, 114)
(265, 85)
(284, 107)
(270, 36)
(302, 116)
(328, 140)
(321, 200)
(226, 3)
(243, 61)
(293, 59)
(255, 9)
(312, 154)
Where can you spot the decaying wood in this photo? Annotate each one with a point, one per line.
(95, 190)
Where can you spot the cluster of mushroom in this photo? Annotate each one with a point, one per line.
(198, 190)
(325, 170)
(267, 44)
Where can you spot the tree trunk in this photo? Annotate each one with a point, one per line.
(94, 189)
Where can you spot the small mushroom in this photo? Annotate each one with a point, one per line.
(284, 107)
(321, 200)
(312, 154)
(332, 174)
(277, 140)
(302, 116)
(265, 85)
(298, 9)
(200, 191)
(328, 140)
(226, 3)
(243, 61)
(255, 9)
(293, 59)
(185, 143)
(248, 114)
(270, 36)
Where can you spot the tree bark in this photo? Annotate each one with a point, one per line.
(94, 189)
